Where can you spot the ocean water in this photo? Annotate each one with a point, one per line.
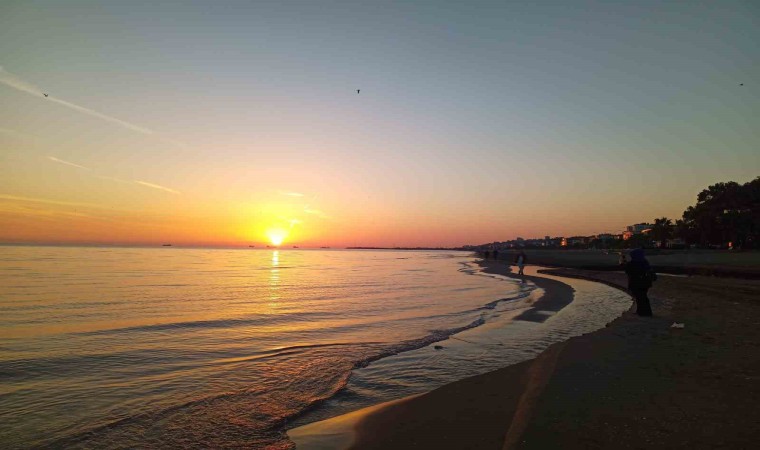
(172, 347)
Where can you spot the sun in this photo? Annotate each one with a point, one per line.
(276, 235)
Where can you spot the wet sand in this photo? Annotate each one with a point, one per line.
(556, 296)
(637, 383)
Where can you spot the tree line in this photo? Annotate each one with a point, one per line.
(724, 213)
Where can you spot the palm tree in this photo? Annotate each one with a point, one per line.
(662, 230)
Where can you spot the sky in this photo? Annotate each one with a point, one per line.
(239, 122)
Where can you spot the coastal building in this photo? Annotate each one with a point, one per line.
(555, 242)
(574, 241)
(577, 240)
(637, 228)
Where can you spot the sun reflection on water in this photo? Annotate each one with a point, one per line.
(274, 279)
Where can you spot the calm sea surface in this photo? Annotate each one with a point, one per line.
(169, 347)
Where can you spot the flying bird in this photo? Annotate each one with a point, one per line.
(44, 94)
(741, 84)
(358, 90)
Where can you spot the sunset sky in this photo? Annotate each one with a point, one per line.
(224, 123)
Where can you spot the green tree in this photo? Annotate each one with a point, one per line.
(725, 212)
(685, 230)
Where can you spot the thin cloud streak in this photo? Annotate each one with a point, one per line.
(118, 180)
(105, 117)
(292, 194)
(39, 211)
(156, 186)
(60, 161)
(315, 212)
(17, 198)
(17, 83)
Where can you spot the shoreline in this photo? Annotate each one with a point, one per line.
(339, 431)
(635, 383)
(555, 295)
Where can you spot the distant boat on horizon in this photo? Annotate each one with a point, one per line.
(295, 246)
(324, 247)
(251, 246)
(167, 245)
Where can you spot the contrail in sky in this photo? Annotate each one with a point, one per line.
(84, 110)
(156, 186)
(106, 177)
(53, 158)
(17, 83)
(17, 198)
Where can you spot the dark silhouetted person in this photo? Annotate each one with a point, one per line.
(622, 260)
(521, 260)
(640, 278)
(495, 254)
(487, 254)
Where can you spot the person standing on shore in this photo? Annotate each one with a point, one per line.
(521, 260)
(495, 254)
(640, 278)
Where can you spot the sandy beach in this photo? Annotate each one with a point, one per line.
(638, 383)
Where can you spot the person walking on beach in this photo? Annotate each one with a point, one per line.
(640, 278)
(521, 260)
(495, 254)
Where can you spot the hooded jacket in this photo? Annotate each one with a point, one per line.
(638, 271)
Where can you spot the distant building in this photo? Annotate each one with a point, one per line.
(574, 241)
(555, 242)
(638, 228)
(577, 240)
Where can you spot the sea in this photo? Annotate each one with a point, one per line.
(113, 347)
